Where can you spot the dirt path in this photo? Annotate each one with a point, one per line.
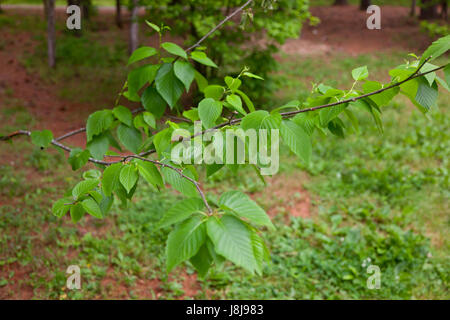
(343, 28)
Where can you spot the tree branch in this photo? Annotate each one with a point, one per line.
(180, 172)
(219, 25)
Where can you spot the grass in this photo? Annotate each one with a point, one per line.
(376, 199)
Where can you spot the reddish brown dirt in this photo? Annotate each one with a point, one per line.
(285, 194)
(39, 98)
(343, 28)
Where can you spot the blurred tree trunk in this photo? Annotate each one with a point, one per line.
(412, 13)
(428, 10)
(119, 14)
(444, 7)
(86, 8)
(364, 4)
(340, 2)
(134, 27)
(50, 12)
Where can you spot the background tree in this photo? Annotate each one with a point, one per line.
(429, 9)
(134, 26)
(412, 13)
(119, 14)
(364, 4)
(340, 3)
(50, 14)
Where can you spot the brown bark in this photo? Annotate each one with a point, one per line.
(412, 13)
(364, 4)
(134, 27)
(119, 14)
(50, 10)
(340, 2)
(428, 10)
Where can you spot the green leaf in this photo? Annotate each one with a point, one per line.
(306, 122)
(168, 85)
(153, 102)
(130, 137)
(138, 122)
(437, 48)
(84, 187)
(185, 241)
(293, 104)
(42, 138)
(202, 261)
(202, 83)
(137, 78)
(142, 53)
(245, 207)
(213, 168)
(350, 115)
(98, 122)
(426, 96)
(383, 98)
(261, 119)
(180, 183)
(61, 206)
(161, 140)
(447, 74)
(76, 212)
(78, 158)
(251, 75)
(150, 173)
(98, 146)
(233, 83)
(191, 114)
(111, 178)
(128, 177)
(247, 100)
(214, 91)
(258, 250)
(174, 49)
(124, 115)
(105, 204)
(336, 127)
(201, 57)
(185, 72)
(181, 211)
(360, 73)
(153, 26)
(328, 114)
(92, 174)
(209, 111)
(297, 140)
(236, 102)
(442, 83)
(232, 240)
(149, 119)
(92, 208)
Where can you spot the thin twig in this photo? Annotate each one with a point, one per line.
(180, 172)
(219, 25)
